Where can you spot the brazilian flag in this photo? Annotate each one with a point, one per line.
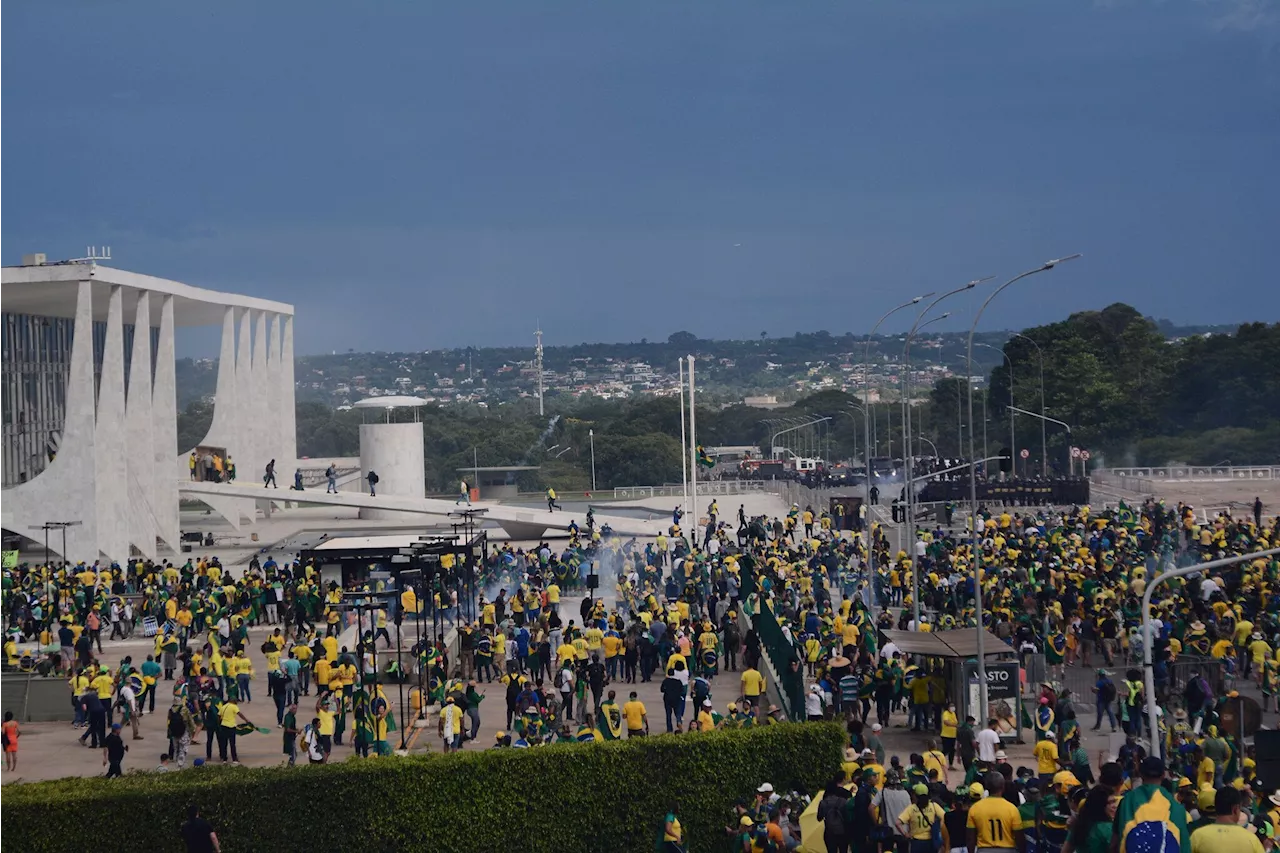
(704, 459)
(1125, 516)
(611, 717)
(1055, 650)
(1150, 821)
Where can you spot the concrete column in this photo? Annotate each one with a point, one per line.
(164, 429)
(112, 472)
(395, 451)
(240, 440)
(286, 414)
(139, 442)
(226, 416)
(259, 421)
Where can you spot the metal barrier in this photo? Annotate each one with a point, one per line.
(1080, 680)
(1195, 473)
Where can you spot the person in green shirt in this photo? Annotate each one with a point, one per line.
(1091, 832)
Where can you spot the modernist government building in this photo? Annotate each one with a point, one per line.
(90, 403)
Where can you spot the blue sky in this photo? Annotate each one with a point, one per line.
(418, 175)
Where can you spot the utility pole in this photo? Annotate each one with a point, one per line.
(693, 457)
(537, 366)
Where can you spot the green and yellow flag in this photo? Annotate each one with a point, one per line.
(704, 459)
(1151, 821)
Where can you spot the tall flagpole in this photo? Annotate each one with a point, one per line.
(693, 459)
(684, 442)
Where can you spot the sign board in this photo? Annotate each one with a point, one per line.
(1231, 714)
(1002, 680)
(1024, 453)
(1084, 454)
(11, 559)
(1075, 453)
(1003, 687)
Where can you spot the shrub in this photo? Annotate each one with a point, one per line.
(605, 797)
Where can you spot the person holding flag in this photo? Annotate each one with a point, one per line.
(1149, 819)
(610, 718)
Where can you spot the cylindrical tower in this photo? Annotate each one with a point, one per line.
(394, 450)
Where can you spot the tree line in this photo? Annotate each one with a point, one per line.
(1129, 394)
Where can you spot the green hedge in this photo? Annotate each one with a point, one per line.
(606, 797)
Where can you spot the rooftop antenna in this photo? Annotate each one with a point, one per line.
(537, 365)
(92, 254)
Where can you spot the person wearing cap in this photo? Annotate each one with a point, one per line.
(1225, 834)
(1046, 753)
(891, 801)
(1137, 811)
(957, 817)
(113, 750)
(744, 833)
(1205, 804)
(1216, 749)
(813, 704)
(918, 821)
(875, 744)
(1259, 652)
(450, 726)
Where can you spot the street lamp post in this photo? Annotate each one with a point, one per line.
(591, 435)
(866, 402)
(1044, 453)
(1012, 448)
(1045, 419)
(973, 485)
(684, 457)
(908, 459)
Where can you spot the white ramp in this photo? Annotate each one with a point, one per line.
(518, 522)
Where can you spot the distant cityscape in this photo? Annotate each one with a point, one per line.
(765, 373)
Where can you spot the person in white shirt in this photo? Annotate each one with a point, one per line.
(813, 703)
(889, 650)
(988, 743)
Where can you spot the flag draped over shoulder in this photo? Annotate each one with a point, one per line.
(1150, 821)
(611, 716)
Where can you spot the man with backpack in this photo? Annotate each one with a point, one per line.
(1104, 694)
(372, 477)
(180, 727)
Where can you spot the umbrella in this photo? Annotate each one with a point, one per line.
(811, 829)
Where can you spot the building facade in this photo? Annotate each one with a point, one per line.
(90, 427)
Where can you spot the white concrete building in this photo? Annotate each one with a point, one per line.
(90, 402)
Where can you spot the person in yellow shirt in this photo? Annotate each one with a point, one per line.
(636, 716)
(1259, 651)
(243, 673)
(553, 597)
(228, 713)
(1046, 753)
(950, 725)
(325, 723)
(1225, 834)
(935, 759)
(324, 674)
(566, 653)
(330, 643)
(753, 685)
(994, 822)
(302, 652)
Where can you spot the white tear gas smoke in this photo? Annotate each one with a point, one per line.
(542, 439)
